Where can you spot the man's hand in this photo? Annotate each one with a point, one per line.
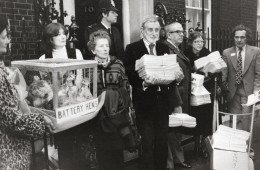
(177, 109)
(49, 124)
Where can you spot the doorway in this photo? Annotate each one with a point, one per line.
(86, 12)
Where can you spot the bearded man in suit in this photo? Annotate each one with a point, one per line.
(242, 74)
(152, 103)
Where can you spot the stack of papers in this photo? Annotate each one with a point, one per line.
(230, 139)
(234, 132)
(157, 69)
(182, 119)
(202, 62)
(215, 66)
(199, 94)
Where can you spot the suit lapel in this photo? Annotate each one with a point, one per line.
(233, 57)
(248, 58)
(143, 49)
(176, 51)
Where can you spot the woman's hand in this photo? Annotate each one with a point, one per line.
(49, 124)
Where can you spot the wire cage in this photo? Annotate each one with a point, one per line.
(64, 90)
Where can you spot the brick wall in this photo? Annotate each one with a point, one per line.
(21, 30)
(173, 4)
(226, 14)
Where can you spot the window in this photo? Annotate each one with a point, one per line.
(194, 14)
(258, 17)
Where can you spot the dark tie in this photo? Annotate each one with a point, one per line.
(151, 46)
(109, 31)
(239, 67)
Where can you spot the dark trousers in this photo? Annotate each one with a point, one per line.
(66, 149)
(154, 134)
(110, 159)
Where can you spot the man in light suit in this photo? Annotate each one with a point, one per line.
(175, 34)
(152, 103)
(244, 84)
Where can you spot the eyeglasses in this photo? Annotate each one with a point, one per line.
(240, 37)
(198, 42)
(178, 32)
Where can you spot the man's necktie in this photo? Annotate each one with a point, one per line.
(151, 46)
(109, 31)
(239, 67)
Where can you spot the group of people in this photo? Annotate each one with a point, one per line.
(160, 145)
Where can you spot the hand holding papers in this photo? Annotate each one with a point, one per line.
(200, 95)
(212, 63)
(157, 69)
(252, 99)
(181, 119)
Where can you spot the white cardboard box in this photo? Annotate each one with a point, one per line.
(228, 160)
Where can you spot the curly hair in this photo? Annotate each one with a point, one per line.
(50, 31)
(99, 34)
(241, 27)
(194, 35)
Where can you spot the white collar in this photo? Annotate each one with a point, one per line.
(146, 43)
(172, 44)
(107, 27)
(243, 48)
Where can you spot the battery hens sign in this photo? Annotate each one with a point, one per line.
(76, 110)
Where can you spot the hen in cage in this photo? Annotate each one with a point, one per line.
(64, 89)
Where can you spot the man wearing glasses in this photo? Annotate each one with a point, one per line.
(175, 34)
(152, 103)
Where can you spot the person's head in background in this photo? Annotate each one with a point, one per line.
(99, 44)
(4, 37)
(107, 12)
(241, 35)
(196, 40)
(150, 29)
(174, 33)
(54, 37)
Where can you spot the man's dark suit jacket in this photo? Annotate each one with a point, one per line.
(185, 85)
(145, 101)
(116, 48)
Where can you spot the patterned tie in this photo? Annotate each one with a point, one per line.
(151, 46)
(239, 67)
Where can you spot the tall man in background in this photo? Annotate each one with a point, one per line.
(243, 72)
(243, 78)
(108, 16)
(152, 103)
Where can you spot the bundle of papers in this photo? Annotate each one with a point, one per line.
(199, 94)
(200, 100)
(202, 62)
(230, 139)
(157, 69)
(226, 142)
(233, 132)
(215, 66)
(181, 119)
(196, 83)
